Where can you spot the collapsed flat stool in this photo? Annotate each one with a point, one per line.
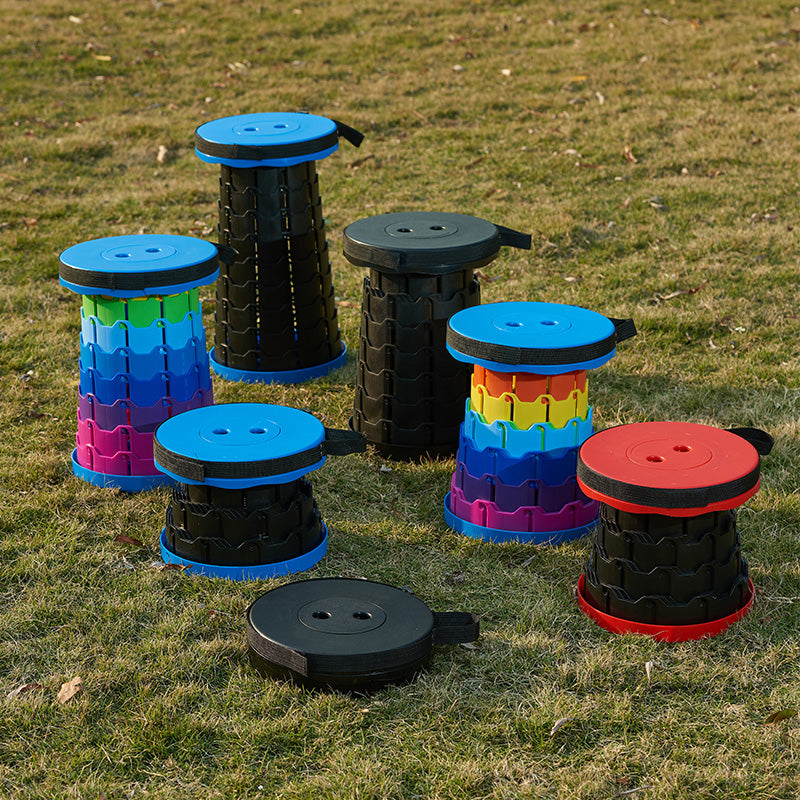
(242, 508)
(666, 558)
(276, 317)
(527, 414)
(143, 349)
(346, 634)
(410, 392)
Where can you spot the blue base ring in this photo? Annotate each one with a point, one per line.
(284, 376)
(127, 483)
(260, 572)
(497, 536)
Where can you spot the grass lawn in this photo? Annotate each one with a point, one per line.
(653, 154)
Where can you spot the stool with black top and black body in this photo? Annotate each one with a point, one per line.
(243, 508)
(666, 559)
(410, 392)
(347, 634)
(526, 416)
(276, 317)
(142, 348)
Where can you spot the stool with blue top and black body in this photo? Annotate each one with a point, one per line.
(242, 508)
(276, 319)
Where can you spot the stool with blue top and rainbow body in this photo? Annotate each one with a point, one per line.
(242, 508)
(527, 415)
(276, 319)
(142, 348)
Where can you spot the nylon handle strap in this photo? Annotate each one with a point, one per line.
(349, 134)
(511, 238)
(455, 627)
(761, 440)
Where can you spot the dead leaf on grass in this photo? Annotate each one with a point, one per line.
(123, 538)
(24, 689)
(162, 154)
(359, 162)
(69, 689)
(648, 668)
(484, 278)
(779, 716)
(559, 724)
(628, 155)
(679, 292)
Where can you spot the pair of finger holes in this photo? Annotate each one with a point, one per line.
(678, 448)
(411, 230)
(224, 431)
(327, 615)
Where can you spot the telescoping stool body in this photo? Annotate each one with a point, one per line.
(410, 392)
(666, 558)
(142, 348)
(242, 508)
(526, 417)
(276, 317)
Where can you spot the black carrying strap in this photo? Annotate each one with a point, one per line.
(536, 356)
(455, 627)
(761, 440)
(349, 134)
(656, 497)
(336, 443)
(511, 238)
(138, 281)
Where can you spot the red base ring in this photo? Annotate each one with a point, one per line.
(663, 633)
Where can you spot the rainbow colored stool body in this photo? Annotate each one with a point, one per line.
(242, 508)
(409, 391)
(526, 417)
(143, 353)
(666, 559)
(275, 315)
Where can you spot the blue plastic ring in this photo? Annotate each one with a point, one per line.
(261, 572)
(267, 162)
(497, 536)
(284, 376)
(127, 483)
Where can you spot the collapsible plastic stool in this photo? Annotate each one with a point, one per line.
(348, 634)
(666, 559)
(243, 508)
(276, 315)
(143, 352)
(527, 415)
(409, 391)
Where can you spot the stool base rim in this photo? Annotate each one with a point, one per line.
(662, 633)
(497, 536)
(127, 483)
(282, 376)
(251, 573)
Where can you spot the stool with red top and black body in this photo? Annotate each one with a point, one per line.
(666, 559)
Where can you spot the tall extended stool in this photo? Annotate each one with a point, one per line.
(410, 392)
(527, 415)
(143, 348)
(666, 559)
(276, 316)
(242, 508)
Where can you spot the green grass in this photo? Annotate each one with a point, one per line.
(704, 95)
